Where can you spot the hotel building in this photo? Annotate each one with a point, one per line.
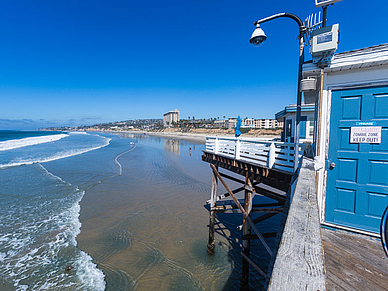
(170, 117)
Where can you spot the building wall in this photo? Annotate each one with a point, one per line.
(254, 123)
(268, 123)
(357, 71)
(169, 117)
(232, 122)
(289, 119)
(221, 123)
(336, 80)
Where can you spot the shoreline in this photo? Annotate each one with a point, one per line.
(190, 136)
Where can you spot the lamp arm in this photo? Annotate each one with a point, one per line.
(302, 31)
(289, 15)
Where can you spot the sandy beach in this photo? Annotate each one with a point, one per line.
(147, 228)
(124, 211)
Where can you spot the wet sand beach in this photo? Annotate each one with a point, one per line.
(198, 136)
(147, 228)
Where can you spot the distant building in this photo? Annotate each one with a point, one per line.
(268, 123)
(232, 122)
(170, 118)
(248, 123)
(221, 123)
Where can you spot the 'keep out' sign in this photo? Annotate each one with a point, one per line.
(365, 134)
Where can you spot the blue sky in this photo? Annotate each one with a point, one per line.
(85, 62)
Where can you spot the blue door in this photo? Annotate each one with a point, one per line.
(302, 129)
(357, 181)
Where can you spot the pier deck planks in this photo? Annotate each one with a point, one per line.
(354, 261)
(299, 262)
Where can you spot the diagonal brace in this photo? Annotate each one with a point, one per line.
(246, 216)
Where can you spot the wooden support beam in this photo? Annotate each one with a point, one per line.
(218, 198)
(261, 272)
(267, 204)
(255, 207)
(257, 210)
(223, 207)
(263, 217)
(259, 219)
(246, 243)
(268, 210)
(254, 228)
(266, 235)
(212, 215)
(231, 178)
(270, 194)
(233, 209)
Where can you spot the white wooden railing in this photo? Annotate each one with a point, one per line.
(270, 154)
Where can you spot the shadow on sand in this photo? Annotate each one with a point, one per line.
(227, 227)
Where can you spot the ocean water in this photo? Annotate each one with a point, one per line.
(6, 135)
(39, 210)
(92, 211)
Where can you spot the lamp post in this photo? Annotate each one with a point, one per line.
(257, 38)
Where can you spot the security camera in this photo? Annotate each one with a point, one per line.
(258, 36)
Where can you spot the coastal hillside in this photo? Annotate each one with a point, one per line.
(220, 131)
(155, 126)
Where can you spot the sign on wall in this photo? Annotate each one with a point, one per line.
(365, 134)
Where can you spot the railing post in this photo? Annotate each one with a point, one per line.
(271, 156)
(216, 145)
(296, 156)
(237, 149)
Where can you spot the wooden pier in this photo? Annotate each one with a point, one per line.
(266, 168)
(354, 261)
(297, 262)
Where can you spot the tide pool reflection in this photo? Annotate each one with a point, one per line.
(172, 146)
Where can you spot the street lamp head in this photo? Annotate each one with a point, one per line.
(258, 36)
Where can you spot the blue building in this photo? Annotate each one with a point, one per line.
(288, 117)
(352, 140)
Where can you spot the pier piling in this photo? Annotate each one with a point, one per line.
(246, 243)
(212, 215)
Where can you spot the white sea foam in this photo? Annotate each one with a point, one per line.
(58, 156)
(117, 162)
(78, 132)
(91, 277)
(56, 234)
(29, 141)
